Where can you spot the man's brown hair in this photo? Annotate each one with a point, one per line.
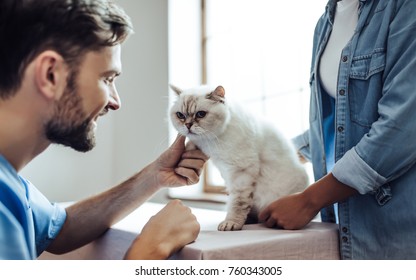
(70, 27)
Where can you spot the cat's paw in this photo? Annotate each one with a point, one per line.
(229, 225)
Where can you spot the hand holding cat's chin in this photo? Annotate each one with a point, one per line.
(177, 166)
(191, 164)
(189, 176)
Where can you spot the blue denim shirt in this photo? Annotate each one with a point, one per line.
(375, 129)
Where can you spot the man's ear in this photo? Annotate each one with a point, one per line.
(51, 74)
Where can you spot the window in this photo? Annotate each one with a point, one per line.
(260, 51)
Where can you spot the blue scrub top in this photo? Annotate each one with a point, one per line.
(28, 221)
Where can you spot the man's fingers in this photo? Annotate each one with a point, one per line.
(189, 174)
(179, 142)
(195, 164)
(195, 154)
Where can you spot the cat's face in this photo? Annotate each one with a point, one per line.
(200, 112)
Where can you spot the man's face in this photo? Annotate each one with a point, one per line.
(89, 93)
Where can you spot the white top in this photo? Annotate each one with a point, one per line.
(346, 18)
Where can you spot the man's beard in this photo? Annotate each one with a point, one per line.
(69, 125)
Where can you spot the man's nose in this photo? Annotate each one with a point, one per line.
(114, 102)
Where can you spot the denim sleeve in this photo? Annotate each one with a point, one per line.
(301, 143)
(365, 179)
(388, 150)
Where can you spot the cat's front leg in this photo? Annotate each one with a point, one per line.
(240, 204)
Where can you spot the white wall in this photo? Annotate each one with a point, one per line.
(127, 139)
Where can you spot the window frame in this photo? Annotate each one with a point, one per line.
(207, 186)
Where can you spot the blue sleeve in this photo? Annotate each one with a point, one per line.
(301, 143)
(48, 217)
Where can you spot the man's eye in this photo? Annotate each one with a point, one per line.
(180, 115)
(109, 80)
(201, 114)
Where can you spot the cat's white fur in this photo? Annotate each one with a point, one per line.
(256, 162)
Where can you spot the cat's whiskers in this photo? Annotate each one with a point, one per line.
(212, 141)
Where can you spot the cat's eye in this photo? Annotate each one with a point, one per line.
(180, 116)
(200, 114)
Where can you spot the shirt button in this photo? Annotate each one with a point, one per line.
(340, 128)
(342, 92)
(344, 229)
(344, 239)
(344, 58)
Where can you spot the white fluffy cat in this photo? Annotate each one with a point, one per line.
(256, 162)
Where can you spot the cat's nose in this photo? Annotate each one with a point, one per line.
(189, 125)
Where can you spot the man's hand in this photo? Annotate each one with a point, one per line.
(165, 233)
(175, 167)
(179, 167)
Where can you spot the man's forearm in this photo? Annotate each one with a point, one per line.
(88, 219)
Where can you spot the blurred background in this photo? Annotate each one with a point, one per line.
(259, 50)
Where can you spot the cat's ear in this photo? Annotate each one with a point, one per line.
(217, 95)
(177, 90)
(220, 91)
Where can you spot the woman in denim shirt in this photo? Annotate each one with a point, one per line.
(368, 131)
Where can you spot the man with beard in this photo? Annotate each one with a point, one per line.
(59, 62)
